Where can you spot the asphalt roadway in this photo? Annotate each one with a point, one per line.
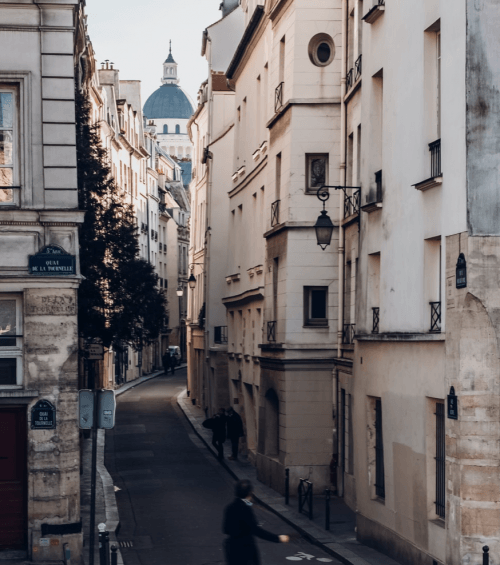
(172, 489)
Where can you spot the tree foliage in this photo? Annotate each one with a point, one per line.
(118, 297)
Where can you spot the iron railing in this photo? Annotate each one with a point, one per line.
(357, 68)
(440, 461)
(275, 213)
(162, 208)
(435, 149)
(348, 334)
(278, 98)
(349, 78)
(220, 334)
(378, 183)
(306, 498)
(271, 331)
(351, 203)
(379, 451)
(376, 320)
(435, 316)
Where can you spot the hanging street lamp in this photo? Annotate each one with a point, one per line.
(324, 225)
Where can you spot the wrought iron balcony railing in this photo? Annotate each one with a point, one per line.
(278, 98)
(271, 331)
(350, 79)
(275, 213)
(376, 320)
(354, 74)
(435, 149)
(435, 316)
(348, 334)
(357, 68)
(351, 203)
(220, 334)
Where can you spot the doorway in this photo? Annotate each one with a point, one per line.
(13, 504)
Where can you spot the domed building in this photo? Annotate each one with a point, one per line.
(170, 108)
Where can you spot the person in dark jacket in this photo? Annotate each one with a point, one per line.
(166, 360)
(218, 426)
(240, 525)
(234, 431)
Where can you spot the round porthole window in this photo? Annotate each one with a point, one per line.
(321, 50)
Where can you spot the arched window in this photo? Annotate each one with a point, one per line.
(272, 426)
(165, 128)
(177, 128)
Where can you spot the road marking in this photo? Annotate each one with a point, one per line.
(305, 556)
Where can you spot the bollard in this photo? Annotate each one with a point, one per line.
(102, 544)
(486, 555)
(114, 555)
(327, 509)
(287, 486)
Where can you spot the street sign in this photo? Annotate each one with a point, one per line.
(461, 272)
(452, 405)
(43, 416)
(106, 409)
(52, 261)
(85, 409)
(95, 351)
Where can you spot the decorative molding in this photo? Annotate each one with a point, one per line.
(429, 183)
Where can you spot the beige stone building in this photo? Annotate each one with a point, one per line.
(41, 46)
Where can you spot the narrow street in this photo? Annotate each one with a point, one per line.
(173, 491)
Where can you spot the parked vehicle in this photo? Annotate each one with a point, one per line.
(175, 352)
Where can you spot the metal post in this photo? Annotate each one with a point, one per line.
(114, 555)
(287, 486)
(102, 544)
(93, 477)
(486, 555)
(327, 509)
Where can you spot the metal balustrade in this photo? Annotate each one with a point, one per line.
(275, 213)
(278, 98)
(348, 334)
(357, 68)
(351, 203)
(350, 79)
(435, 316)
(376, 320)
(271, 331)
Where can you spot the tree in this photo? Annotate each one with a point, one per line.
(118, 298)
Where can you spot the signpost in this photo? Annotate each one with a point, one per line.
(452, 405)
(52, 261)
(43, 416)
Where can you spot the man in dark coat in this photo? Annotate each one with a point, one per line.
(218, 426)
(241, 527)
(234, 431)
(166, 361)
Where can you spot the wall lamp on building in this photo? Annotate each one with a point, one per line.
(324, 226)
(180, 292)
(192, 278)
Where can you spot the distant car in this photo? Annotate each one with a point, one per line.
(175, 352)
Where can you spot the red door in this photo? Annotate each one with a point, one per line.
(13, 478)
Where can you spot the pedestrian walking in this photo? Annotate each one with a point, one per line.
(240, 525)
(234, 426)
(166, 361)
(218, 426)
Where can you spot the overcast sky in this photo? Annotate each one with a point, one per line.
(134, 35)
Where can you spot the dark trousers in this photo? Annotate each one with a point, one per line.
(234, 446)
(219, 446)
(173, 368)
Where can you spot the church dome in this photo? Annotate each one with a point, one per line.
(168, 102)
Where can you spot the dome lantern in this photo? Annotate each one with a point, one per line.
(170, 69)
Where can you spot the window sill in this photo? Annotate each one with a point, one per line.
(372, 207)
(374, 14)
(379, 500)
(438, 522)
(429, 183)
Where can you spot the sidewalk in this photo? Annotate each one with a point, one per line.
(340, 541)
(106, 507)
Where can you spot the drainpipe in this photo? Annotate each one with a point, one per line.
(343, 156)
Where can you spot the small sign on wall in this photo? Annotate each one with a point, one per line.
(43, 416)
(461, 274)
(452, 405)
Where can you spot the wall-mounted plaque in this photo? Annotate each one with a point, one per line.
(52, 261)
(461, 271)
(452, 405)
(43, 416)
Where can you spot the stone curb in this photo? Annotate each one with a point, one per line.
(270, 499)
(132, 384)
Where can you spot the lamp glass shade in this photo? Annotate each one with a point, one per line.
(180, 292)
(324, 230)
(192, 281)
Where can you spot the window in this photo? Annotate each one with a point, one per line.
(321, 50)
(165, 128)
(8, 145)
(316, 172)
(177, 129)
(316, 306)
(11, 340)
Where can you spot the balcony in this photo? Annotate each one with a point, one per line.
(348, 334)
(354, 74)
(275, 213)
(351, 203)
(374, 14)
(436, 178)
(376, 320)
(435, 317)
(374, 197)
(271, 331)
(220, 335)
(278, 97)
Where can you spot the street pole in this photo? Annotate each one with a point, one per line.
(93, 473)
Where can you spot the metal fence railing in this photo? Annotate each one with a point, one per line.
(275, 213)
(278, 97)
(435, 316)
(376, 320)
(348, 334)
(271, 331)
(306, 498)
(351, 203)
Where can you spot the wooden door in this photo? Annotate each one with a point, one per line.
(13, 443)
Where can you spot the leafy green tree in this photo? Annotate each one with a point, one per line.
(118, 298)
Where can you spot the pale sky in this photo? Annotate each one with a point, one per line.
(134, 36)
